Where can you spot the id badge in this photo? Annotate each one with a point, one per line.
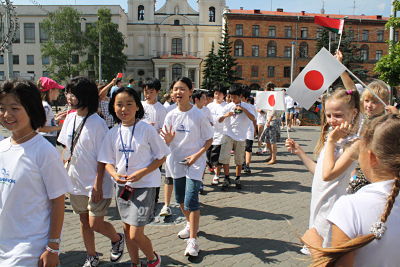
(126, 193)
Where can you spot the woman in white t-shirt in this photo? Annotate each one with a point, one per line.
(365, 225)
(33, 182)
(49, 90)
(133, 151)
(340, 107)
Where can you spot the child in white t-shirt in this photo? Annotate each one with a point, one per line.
(365, 225)
(133, 151)
(82, 135)
(340, 107)
(238, 116)
(49, 90)
(189, 135)
(246, 97)
(33, 182)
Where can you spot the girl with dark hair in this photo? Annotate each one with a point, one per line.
(133, 151)
(82, 133)
(32, 183)
(365, 228)
(340, 112)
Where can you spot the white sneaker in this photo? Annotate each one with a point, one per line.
(165, 211)
(215, 180)
(185, 232)
(192, 247)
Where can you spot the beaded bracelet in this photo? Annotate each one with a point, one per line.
(54, 251)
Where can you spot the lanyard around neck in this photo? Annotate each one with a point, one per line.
(125, 149)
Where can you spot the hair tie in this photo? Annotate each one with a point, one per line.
(378, 229)
(349, 92)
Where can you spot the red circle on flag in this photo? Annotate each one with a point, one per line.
(314, 80)
(271, 100)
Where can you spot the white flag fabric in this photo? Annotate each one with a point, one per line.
(315, 78)
(270, 100)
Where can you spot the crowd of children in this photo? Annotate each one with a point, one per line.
(114, 145)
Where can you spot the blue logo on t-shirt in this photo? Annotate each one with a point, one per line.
(5, 177)
(126, 149)
(181, 128)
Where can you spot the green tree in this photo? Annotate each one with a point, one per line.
(226, 62)
(113, 60)
(210, 69)
(64, 44)
(388, 66)
(351, 52)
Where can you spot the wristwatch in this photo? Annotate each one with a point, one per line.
(55, 240)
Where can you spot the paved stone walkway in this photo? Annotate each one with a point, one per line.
(256, 226)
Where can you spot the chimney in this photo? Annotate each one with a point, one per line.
(378, 16)
(241, 8)
(279, 10)
(303, 13)
(257, 11)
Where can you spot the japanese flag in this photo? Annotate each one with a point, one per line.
(315, 78)
(270, 100)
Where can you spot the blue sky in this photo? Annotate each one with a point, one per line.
(367, 7)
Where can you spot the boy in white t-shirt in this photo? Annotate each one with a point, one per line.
(189, 135)
(216, 108)
(82, 135)
(246, 97)
(237, 117)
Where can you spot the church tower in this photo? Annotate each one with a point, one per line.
(141, 11)
(211, 11)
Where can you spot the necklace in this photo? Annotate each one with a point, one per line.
(21, 138)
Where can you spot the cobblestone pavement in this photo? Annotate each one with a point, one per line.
(256, 226)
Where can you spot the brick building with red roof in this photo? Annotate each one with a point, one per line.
(262, 42)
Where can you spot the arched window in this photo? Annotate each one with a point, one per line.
(303, 49)
(176, 71)
(239, 48)
(271, 49)
(176, 46)
(211, 14)
(364, 52)
(140, 12)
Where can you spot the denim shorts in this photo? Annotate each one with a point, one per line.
(187, 192)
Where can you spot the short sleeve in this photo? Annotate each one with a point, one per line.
(100, 133)
(107, 152)
(55, 177)
(206, 130)
(157, 145)
(62, 138)
(343, 215)
(162, 112)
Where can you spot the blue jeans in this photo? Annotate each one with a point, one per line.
(187, 192)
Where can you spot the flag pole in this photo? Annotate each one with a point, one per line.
(340, 40)
(369, 89)
(329, 44)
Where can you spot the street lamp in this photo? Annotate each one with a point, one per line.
(100, 71)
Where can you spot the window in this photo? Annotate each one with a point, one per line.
(319, 33)
(75, 59)
(254, 71)
(2, 75)
(15, 59)
(287, 51)
(254, 51)
(271, 31)
(140, 12)
(177, 22)
(46, 74)
(396, 36)
(17, 37)
(239, 71)
(301, 69)
(1, 59)
(304, 32)
(140, 41)
(161, 74)
(15, 74)
(286, 72)
(271, 49)
(303, 49)
(239, 48)
(365, 34)
(29, 33)
(364, 52)
(379, 36)
(256, 30)
(44, 36)
(45, 60)
(378, 54)
(271, 71)
(211, 14)
(176, 46)
(288, 31)
(351, 34)
(239, 29)
(192, 74)
(176, 71)
(30, 60)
